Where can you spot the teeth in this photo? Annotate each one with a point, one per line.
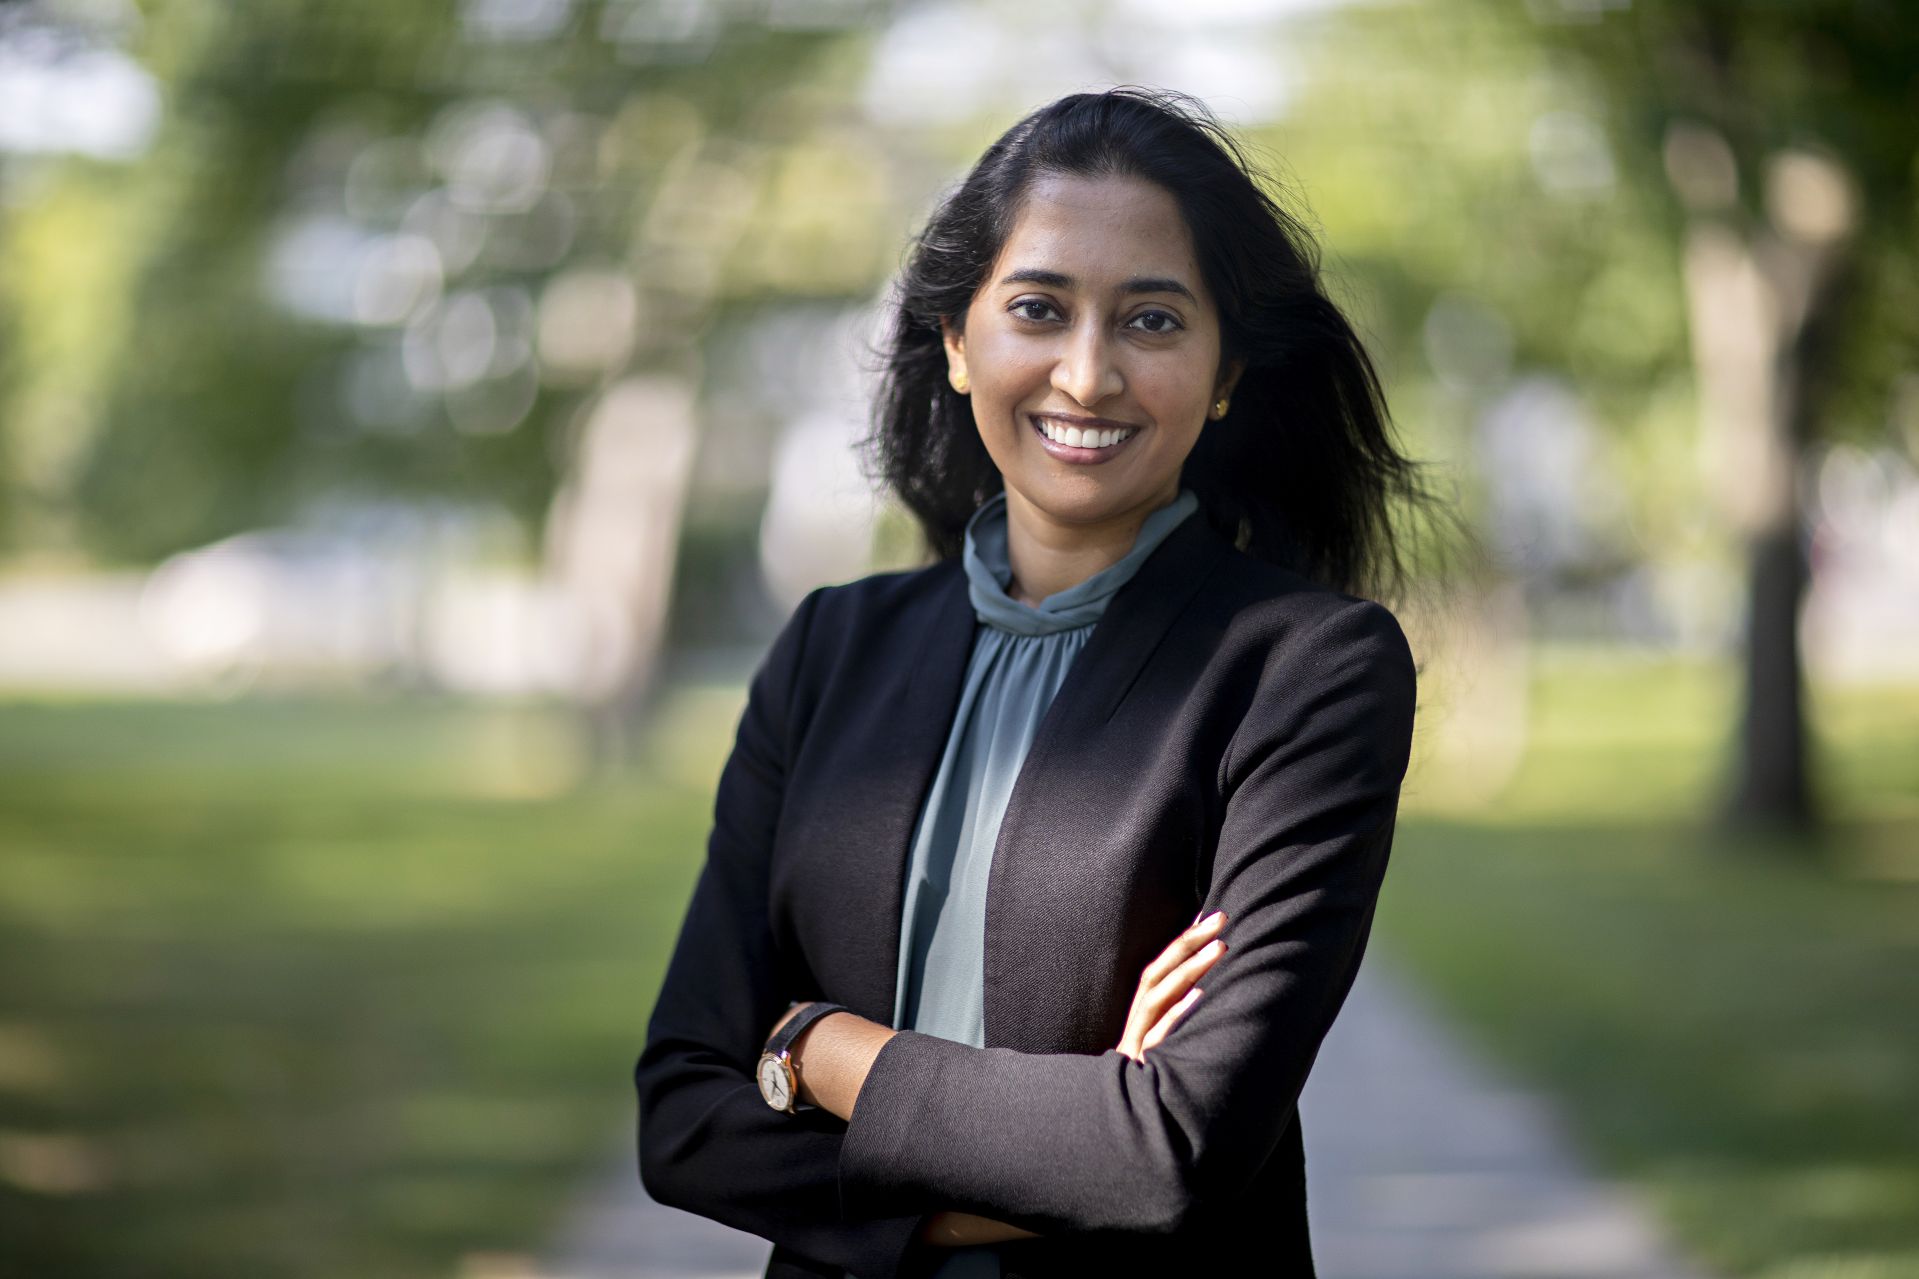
(1097, 439)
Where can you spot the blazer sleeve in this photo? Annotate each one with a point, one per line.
(707, 1141)
(1076, 1142)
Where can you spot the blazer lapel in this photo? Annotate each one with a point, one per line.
(1035, 847)
(894, 770)
(1136, 619)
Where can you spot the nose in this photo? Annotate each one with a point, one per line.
(1086, 369)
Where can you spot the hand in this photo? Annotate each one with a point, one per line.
(951, 1229)
(1166, 988)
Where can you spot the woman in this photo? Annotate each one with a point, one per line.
(987, 824)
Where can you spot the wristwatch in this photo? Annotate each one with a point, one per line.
(775, 1072)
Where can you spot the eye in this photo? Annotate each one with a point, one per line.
(1022, 309)
(1170, 321)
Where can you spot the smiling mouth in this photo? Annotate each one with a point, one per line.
(1086, 439)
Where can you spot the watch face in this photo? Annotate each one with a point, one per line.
(773, 1083)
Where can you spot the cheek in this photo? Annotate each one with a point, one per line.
(1174, 389)
(1005, 367)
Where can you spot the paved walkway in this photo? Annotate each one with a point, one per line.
(1423, 1162)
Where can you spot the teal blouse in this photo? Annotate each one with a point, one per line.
(1021, 655)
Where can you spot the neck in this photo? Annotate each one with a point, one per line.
(1047, 555)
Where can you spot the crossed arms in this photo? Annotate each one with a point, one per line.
(1050, 1143)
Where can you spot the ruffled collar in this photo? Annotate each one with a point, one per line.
(989, 571)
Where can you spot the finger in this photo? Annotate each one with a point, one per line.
(1181, 947)
(1187, 942)
(1181, 977)
(1164, 1026)
(1158, 986)
(1152, 1004)
(1203, 958)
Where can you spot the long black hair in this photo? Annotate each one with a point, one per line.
(1303, 470)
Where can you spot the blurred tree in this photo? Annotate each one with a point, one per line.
(32, 464)
(1718, 191)
(352, 212)
(1785, 135)
(444, 248)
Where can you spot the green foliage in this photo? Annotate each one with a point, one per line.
(1447, 162)
(705, 168)
(1833, 76)
(1488, 155)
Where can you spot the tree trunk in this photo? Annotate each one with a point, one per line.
(1764, 312)
(1771, 787)
(612, 542)
(1774, 786)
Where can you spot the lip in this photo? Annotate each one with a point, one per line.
(1078, 454)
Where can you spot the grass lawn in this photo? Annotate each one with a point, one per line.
(347, 989)
(1734, 1023)
(319, 989)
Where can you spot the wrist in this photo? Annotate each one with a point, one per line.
(836, 1061)
(824, 1047)
(796, 1052)
(779, 1065)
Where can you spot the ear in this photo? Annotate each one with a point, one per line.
(955, 343)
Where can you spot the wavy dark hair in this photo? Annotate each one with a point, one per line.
(1303, 470)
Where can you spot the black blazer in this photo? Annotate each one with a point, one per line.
(1232, 737)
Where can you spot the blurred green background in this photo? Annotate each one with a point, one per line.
(415, 417)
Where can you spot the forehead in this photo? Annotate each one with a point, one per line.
(1100, 231)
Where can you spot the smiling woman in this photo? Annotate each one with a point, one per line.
(935, 1006)
(1104, 306)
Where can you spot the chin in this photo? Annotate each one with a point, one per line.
(1080, 500)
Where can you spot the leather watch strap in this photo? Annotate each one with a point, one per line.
(785, 1035)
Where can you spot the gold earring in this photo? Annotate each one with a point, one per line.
(1219, 407)
(960, 383)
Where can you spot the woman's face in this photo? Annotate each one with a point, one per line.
(1093, 324)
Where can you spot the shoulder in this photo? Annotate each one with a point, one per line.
(1327, 670)
(847, 625)
(1283, 612)
(842, 622)
(878, 600)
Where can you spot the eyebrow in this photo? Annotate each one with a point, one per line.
(1138, 284)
